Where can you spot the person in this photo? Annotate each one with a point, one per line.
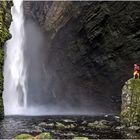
(136, 71)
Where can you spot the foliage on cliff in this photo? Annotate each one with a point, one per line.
(5, 20)
(130, 113)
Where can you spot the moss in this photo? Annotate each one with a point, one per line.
(5, 20)
(24, 136)
(45, 135)
(130, 113)
(63, 126)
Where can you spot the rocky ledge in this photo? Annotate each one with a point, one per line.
(130, 113)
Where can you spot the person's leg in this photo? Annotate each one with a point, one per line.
(134, 74)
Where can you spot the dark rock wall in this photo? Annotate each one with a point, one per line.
(93, 45)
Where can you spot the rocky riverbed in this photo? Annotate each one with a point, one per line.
(66, 127)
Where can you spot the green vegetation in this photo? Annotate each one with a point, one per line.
(45, 135)
(5, 20)
(24, 136)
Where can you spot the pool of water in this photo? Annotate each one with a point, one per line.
(11, 126)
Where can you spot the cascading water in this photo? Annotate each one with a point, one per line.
(15, 90)
(36, 79)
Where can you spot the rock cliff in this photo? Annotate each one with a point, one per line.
(130, 114)
(92, 44)
(5, 20)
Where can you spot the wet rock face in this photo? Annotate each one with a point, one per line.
(92, 44)
(130, 113)
(5, 20)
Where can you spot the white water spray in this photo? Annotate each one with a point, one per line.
(15, 90)
(34, 76)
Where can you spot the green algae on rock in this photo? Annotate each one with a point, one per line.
(99, 124)
(5, 20)
(63, 126)
(24, 136)
(45, 135)
(130, 109)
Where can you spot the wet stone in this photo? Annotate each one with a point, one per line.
(81, 127)
(120, 127)
(46, 125)
(60, 125)
(134, 127)
(24, 136)
(68, 120)
(103, 124)
(80, 138)
(117, 118)
(45, 135)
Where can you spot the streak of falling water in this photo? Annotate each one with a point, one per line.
(15, 90)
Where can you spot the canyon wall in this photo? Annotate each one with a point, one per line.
(91, 44)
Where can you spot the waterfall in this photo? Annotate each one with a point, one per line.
(33, 81)
(15, 90)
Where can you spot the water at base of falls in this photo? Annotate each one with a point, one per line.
(15, 95)
(14, 125)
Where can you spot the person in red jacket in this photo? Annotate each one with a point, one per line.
(136, 71)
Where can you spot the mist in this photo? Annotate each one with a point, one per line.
(51, 88)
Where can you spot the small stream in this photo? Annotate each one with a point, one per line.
(11, 126)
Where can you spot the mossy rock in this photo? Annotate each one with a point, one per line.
(24, 136)
(60, 125)
(80, 138)
(5, 20)
(70, 126)
(102, 124)
(45, 135)
(130, 109)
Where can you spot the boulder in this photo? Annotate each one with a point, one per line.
(102, 124)
(45, 135)
(130, 109)
(24, 136)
